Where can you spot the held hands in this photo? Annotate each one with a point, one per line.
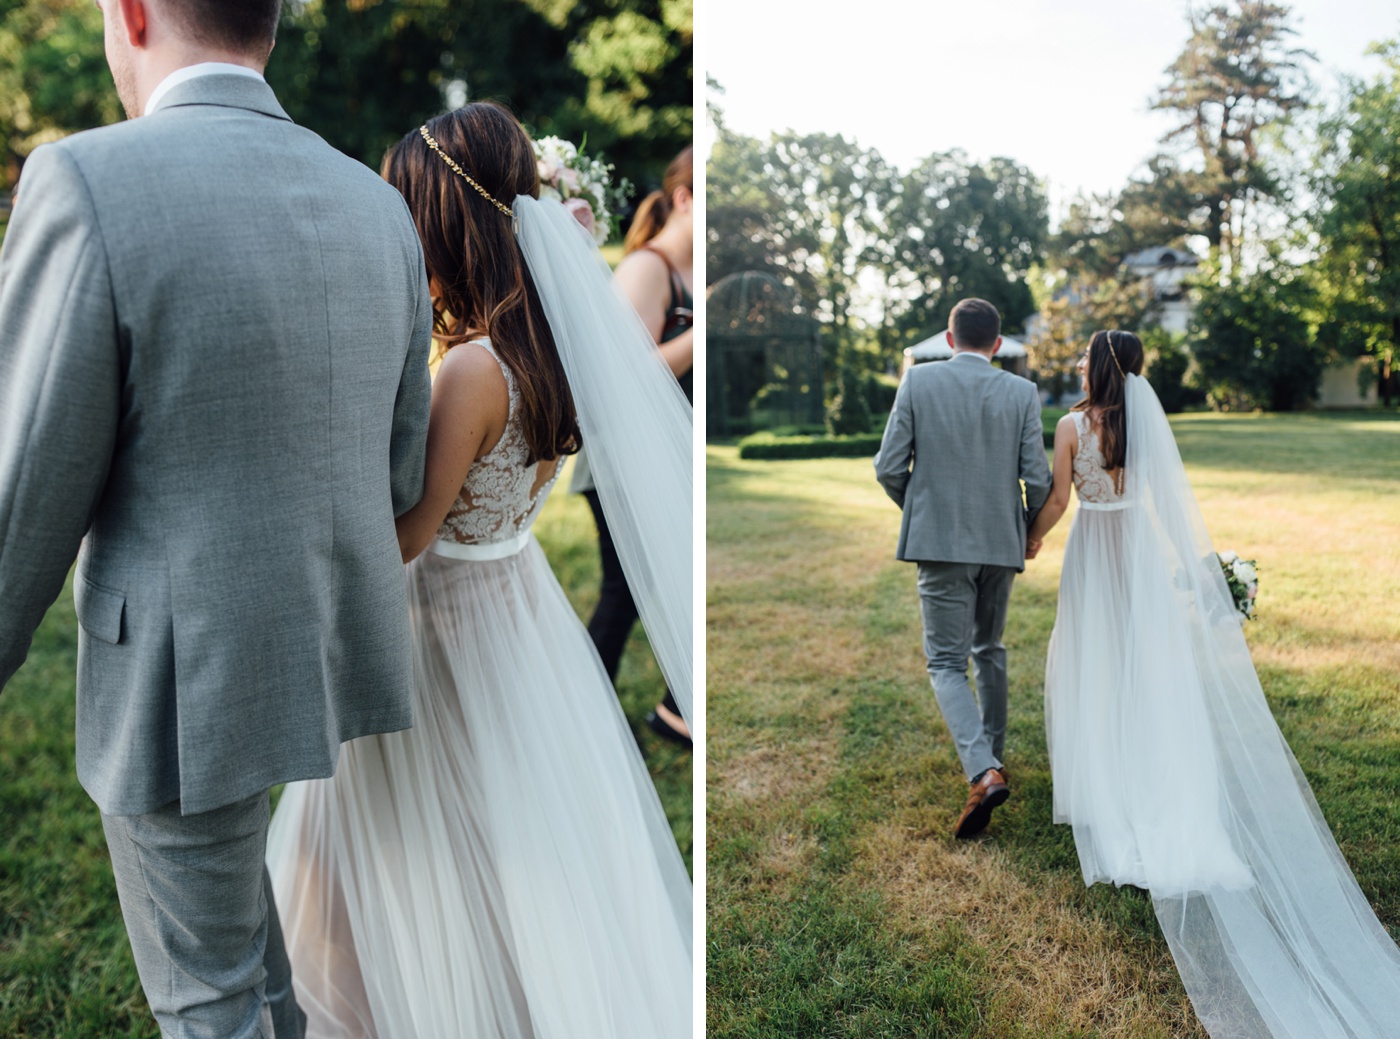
(1033, 547)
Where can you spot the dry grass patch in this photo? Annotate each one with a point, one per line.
(840, 907)
(1052, 968)
(776, 773)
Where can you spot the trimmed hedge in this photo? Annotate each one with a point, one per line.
(768, 446)
(777, 445)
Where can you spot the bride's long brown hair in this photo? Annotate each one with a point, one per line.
(481, 285)
(1111, 358)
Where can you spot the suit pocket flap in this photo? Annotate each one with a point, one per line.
(99, 610)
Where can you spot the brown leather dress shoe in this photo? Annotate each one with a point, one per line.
(988, 792)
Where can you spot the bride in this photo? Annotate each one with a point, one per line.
(1165, 758)
(504, 870)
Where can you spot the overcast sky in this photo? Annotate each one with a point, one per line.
(1061, 86)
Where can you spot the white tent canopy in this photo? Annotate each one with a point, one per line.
(936, 348)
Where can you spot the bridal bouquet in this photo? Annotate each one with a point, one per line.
(582, 182)
(1243, 578)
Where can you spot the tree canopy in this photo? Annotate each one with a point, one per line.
(364, 72)
(866, 245)
(1235, 80)
(1357, 179)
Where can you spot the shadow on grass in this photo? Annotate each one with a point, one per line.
(852, 862)
(1352, 446)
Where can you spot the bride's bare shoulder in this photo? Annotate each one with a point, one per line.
(1067, 434)
(471, 378)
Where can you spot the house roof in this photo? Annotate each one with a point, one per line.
(1160, 257)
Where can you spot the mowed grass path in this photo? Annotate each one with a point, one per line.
(65, 966)
(838, 903)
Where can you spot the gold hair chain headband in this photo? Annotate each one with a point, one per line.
(463, 173)
(1113, 353)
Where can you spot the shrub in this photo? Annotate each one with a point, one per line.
(849, 412)
(879, 393)
(1254, 345)
(766, 446)
(1167, 365)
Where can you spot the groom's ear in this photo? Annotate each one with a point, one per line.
(949, 336)
(135, 17)
(996, 346)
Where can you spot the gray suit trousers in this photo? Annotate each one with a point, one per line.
(964, 610)
(198, 907)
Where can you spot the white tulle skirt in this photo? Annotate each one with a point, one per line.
(504, 869)
(1132, 756)
(1169, 765)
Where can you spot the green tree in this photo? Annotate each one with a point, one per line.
(1076, 309)
(1254, 341)
(963, 228)
(1168, 365)
(1154, 209)
(809, 207)
(364, 72)
(740, 227)
(1358, 224)
(1236, 81)
(53, 76)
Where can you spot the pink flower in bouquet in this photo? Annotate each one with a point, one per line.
(582, 212)
(569, 178)
(549, 172)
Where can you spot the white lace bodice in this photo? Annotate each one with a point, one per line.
(502, 495)
(1091, 481)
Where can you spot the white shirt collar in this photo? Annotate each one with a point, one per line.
(972, 353)
(204, 68)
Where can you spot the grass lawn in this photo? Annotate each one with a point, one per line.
(65, 967)
(838, 903)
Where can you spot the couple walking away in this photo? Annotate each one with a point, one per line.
(1164, 756)
(215, 334)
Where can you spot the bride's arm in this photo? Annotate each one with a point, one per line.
(1062, 478)
(470, 406)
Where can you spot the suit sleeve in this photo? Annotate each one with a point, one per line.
(1035, 470)
(60, 390)
(896, 452)
(409, 446)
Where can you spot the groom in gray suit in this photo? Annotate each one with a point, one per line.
(214, 335)
(961, 440)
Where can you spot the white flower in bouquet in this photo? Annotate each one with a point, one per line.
(1242, 578)
(583, 183)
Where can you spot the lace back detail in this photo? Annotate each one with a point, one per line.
(501, 496)
(1092, 481)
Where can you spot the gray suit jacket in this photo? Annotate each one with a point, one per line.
(214, 335)
(961, 439)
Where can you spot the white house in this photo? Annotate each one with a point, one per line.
(1168, 270)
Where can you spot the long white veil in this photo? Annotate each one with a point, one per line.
(636, 423)
(1292, 949)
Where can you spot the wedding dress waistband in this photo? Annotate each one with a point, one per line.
(1106, 506)
(481, 551)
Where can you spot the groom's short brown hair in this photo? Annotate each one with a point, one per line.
(975, 324)
(241, 26)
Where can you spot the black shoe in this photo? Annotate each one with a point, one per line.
(662, 728)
